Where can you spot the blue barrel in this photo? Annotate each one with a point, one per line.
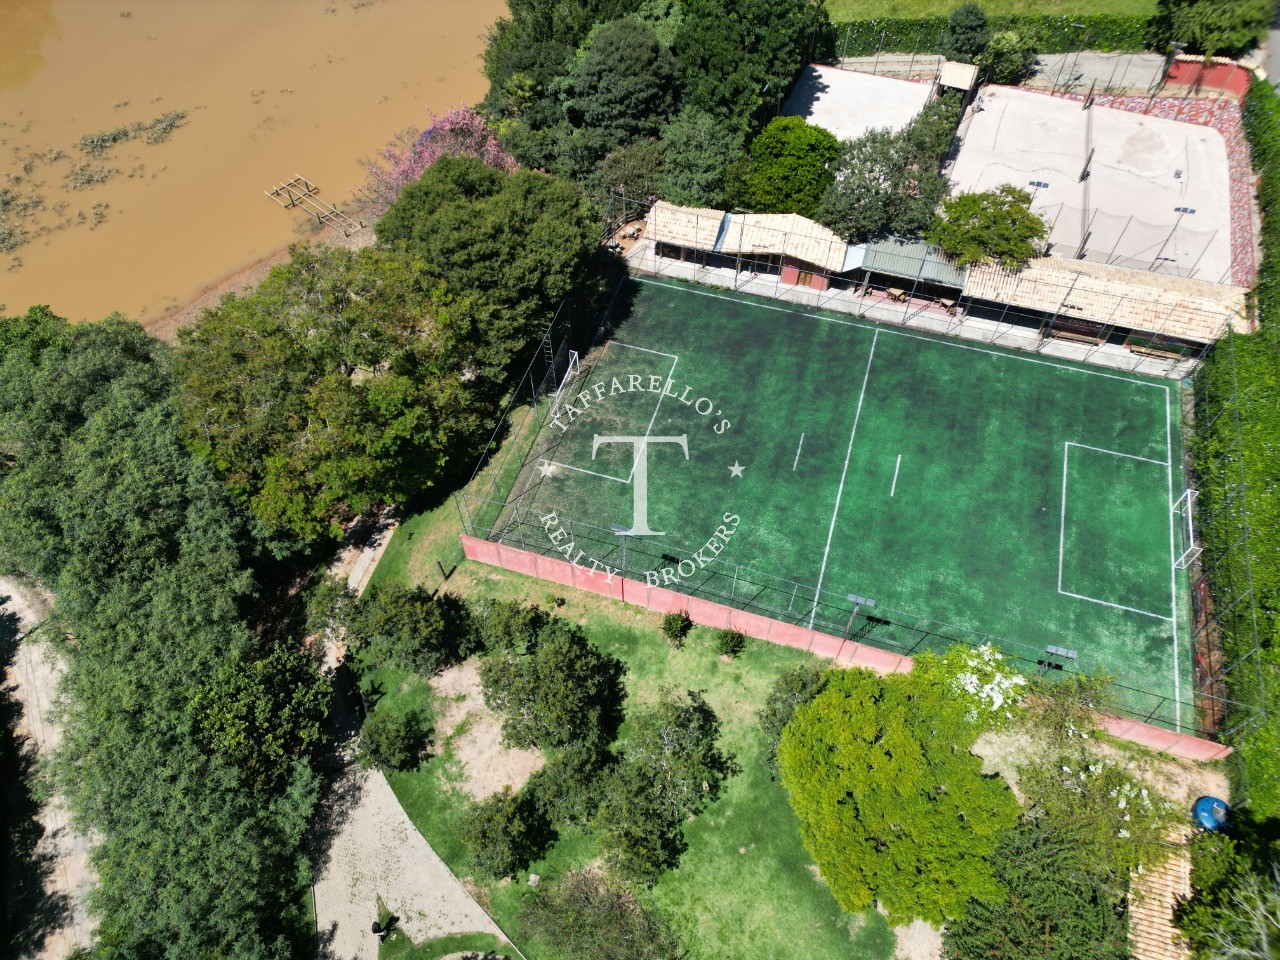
(1211, 813)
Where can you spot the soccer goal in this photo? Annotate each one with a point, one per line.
(572, 369)
(1185, 534)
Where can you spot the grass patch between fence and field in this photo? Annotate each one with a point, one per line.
(746, 887)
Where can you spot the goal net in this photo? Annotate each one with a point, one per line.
(1185, 548)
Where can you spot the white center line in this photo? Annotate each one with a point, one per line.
(896, 467)
(798, 446)
(835, 513)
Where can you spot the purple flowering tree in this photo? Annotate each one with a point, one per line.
(402, 161)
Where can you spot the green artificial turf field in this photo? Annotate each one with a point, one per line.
(969, 493)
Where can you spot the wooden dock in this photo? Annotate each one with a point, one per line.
(300, 193)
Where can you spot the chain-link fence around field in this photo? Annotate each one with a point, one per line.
(501, 511)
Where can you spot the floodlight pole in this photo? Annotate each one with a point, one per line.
(1182, 212)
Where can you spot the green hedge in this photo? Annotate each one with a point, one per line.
(1262, 128)
(1237, 444)
(1102, 31)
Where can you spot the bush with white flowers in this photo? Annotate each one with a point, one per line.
(979, 677)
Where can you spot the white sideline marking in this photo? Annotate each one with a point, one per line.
(1011, 355)
(797, 459)
(1062, 532)
(843, 473)
(602, 476)
(629, 346)
(896, 467)
(949, 342)
(1173, 571)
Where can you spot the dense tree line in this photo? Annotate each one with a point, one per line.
(572, 84)
(187, 733)
(348, 380)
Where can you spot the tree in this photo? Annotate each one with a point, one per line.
(392, 741)
(344, 381)
(993, 225)
(1055, 906)
(1008, 57)
(1098, 805)
(671, 769)
(888, 183)
(696, 149)
(587, 919)
(404, 159)
(891, 803)
(560, 692)
(967, 33)
(1254, 931)
(798, 685)
(1211, 27)
(635, 170)
(505, 833)
(791, 168)
(514, 240)
(411, 628)
(621, 89)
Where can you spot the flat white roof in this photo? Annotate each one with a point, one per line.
(1133, 208)
(849, 103)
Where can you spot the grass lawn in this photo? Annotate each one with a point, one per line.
(842, 10)
(745, 888)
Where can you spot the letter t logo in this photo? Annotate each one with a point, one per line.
(640, 477)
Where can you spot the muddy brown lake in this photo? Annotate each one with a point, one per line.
(137, 137)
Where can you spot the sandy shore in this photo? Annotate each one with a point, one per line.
(246, 278)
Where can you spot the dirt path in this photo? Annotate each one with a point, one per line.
(57, 860)
(366, 845)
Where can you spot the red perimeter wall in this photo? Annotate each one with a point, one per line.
(718, 615)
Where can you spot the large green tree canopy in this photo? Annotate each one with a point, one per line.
(892, 805)
(516, 240)
(790, 169)
(339, 383)
(185, 734)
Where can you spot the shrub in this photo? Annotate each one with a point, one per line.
(671, 769)
(587, 919)
(502, 625)
(992, 225)
(1047, 33)
(675, 627)
(1101, 806)
(892, 805)
(990, 691)
(730, 643)
(794, 688)
(1008, 58)
(411, 628)
(967, 33)
(505, 833)
(392, 741)
(562, 691)
(1055, 906)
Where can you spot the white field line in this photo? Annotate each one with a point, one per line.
(817, 593)
(1062, 529)
(797, 459)
(1010, 355)
(656, 407)
(896, 467)
(1173, 570)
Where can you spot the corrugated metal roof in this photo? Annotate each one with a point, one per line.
(960, 76)
(912, 260)
(1115, 296)
(786, 234)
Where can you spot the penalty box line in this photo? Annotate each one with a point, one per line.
(675, 358)
(1062, 529)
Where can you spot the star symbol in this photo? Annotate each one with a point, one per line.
(546, 468)
(736, 469)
